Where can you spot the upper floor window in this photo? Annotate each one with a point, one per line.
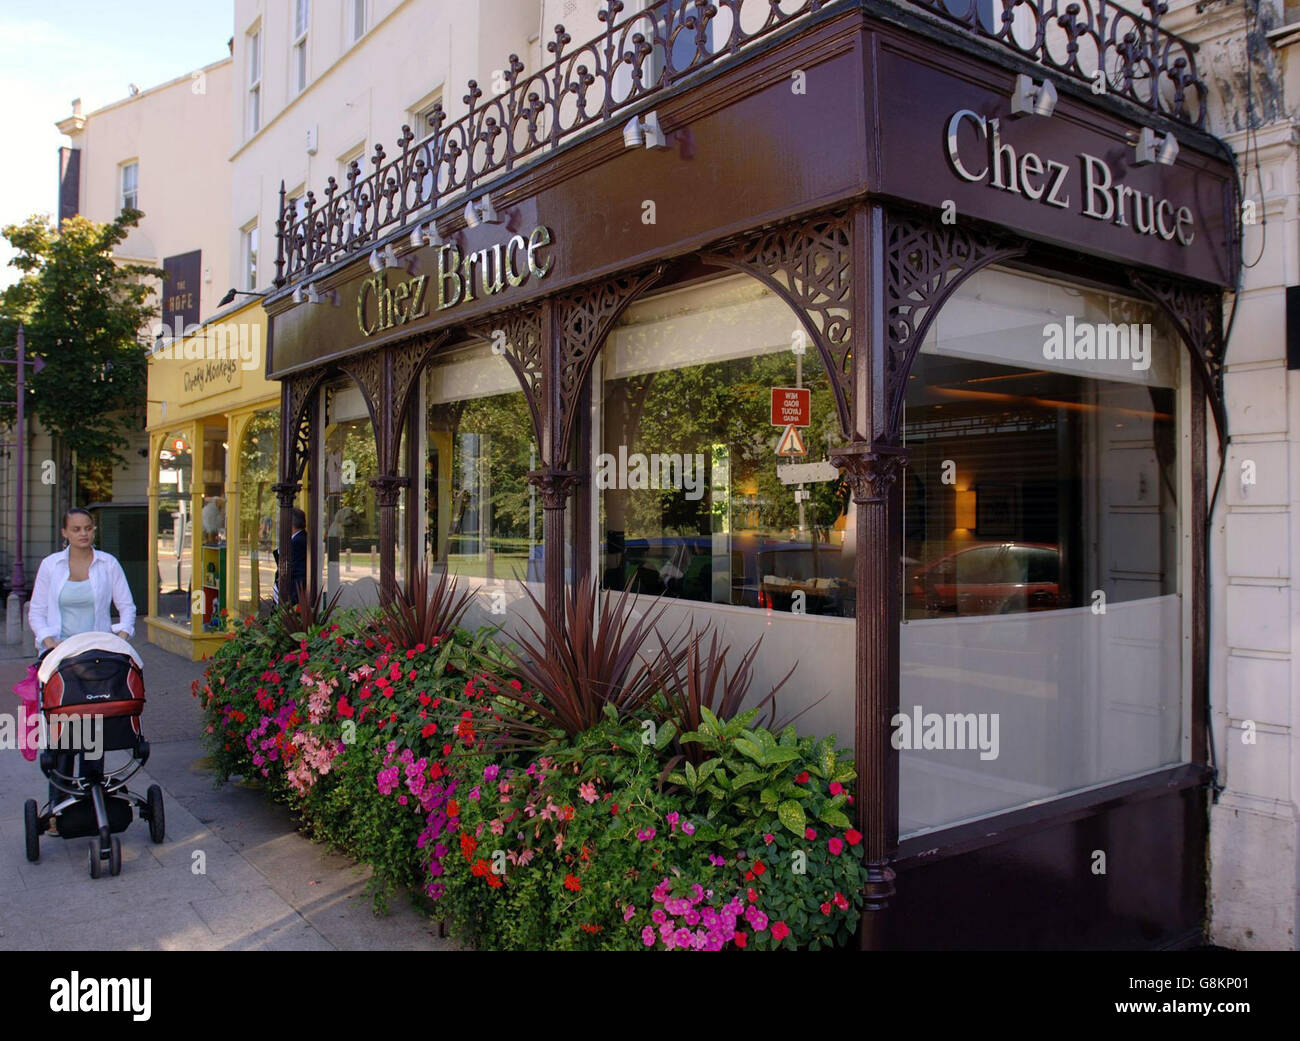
(248, 256)
(254, 82)
(130, 186)
(301, 13)
(356, 10)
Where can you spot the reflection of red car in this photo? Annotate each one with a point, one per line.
(989, 578)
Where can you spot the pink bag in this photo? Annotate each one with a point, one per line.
(28, 692)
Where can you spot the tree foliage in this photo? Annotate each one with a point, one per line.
(83, 313)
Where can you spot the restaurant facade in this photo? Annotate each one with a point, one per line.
(890, 333)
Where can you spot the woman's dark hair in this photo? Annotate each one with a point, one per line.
(77, 509)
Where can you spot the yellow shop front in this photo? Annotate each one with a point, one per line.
(214, 422)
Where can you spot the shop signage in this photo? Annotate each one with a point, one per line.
(180, 298)
(1102, 196)
(213, 376)
(459, 278)
(791, 407)
(807, 473)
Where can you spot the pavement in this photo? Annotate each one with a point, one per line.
(232, 874)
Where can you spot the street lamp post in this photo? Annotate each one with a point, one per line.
(18, 576)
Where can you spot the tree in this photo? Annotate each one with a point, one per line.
(83, 313)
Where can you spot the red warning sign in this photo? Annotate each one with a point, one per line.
(791, 407)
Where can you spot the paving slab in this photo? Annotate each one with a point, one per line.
(259, 883)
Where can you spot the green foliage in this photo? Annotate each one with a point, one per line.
(83, 314)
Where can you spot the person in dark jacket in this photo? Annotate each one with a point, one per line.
(298, 549)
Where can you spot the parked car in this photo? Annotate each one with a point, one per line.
(988, 578)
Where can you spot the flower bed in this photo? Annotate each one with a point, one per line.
(448, 767)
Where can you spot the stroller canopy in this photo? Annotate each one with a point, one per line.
(81, 643)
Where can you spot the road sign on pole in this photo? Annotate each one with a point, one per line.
(791, 442)
(791, 407)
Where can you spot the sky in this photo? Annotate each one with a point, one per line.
(52, 51)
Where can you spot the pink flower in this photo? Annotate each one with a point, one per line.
(836, 846)
(629, 913)
(648, 936)
(780, 931)
(688, 828)
(769, 838)
(836, 788)
(588, 792)
(809, 834)
(490, 772)
(645, 835)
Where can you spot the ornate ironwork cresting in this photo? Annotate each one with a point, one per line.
(641, 54)
(1138, 60)
(809, 264)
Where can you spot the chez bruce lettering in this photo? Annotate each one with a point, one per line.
(381, 307)
(1045, 181)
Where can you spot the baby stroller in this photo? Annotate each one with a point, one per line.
(92, 695)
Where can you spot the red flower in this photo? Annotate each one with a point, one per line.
(852, 837)
(468, 844)
(571, 883)
(836, 787)
(493, 880)
(841, 901)
(836, 847)
(410, 655)
(613, 810)
(749, 876)
(741, 939)
(780, 931)
(826, 908)
(759, 867)
(751, 896)
(802, 778)
(809, 834)
(429, 729)
(453, 808)
(344, 709)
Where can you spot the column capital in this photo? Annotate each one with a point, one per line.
(555, 485)
(388, 488)
(286, 492)
(871, 468)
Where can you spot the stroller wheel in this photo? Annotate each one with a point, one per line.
(156, 815)
(92, 859)
(31, 825)
(115, 857)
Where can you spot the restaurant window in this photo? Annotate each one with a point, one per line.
(175, 540)
(482, 518)
(695, 504)
(259, 510)
(348, 535)
(130, 197)
(1042, 647)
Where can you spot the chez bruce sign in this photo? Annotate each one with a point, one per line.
(459, 277)
(949, 143)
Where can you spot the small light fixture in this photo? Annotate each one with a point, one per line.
(1152, 148)
(965, 510)
(481, 212)
(425, 235)
(644, 130)
(387, 258)
(311, 295)
(1033, 99)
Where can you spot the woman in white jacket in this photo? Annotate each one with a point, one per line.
(75, 588)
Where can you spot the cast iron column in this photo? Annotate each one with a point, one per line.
(388, 490)
(555, 486)
(873, 472)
